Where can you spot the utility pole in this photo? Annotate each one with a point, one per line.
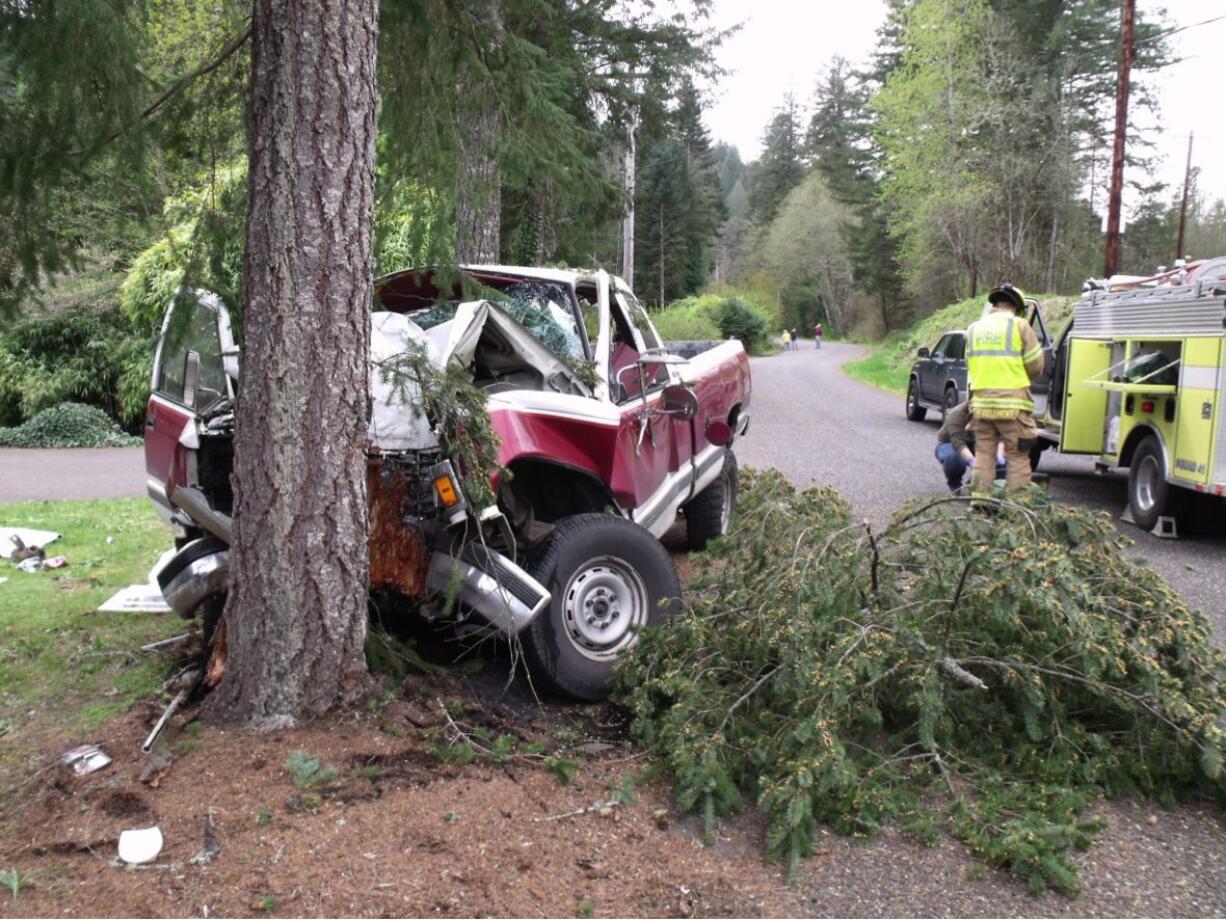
(1127, 53)
(1183, 206)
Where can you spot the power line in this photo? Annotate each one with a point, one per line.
(1191, 25)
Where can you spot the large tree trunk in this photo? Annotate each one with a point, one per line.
(478, 192)
(296, 615)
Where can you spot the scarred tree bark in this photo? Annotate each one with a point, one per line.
(296, 615)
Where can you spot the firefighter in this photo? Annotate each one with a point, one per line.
(1003, 355)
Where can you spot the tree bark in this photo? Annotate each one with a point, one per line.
(296, 614)
(478, 193)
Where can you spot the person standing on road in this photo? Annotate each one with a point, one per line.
(787, 340)
(817, 335)
(1003, 356)
(795, 339)
(955, 449)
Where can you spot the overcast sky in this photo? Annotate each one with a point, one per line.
(785, 44)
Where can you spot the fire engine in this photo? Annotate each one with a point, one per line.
(1137, 381)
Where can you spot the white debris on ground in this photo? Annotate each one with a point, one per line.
(143, 598)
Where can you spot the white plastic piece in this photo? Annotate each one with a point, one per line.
(1165, 528)
(137, 847)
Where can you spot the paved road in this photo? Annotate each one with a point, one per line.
(87, 472)
(817, 425)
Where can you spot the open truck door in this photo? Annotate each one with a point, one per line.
(195, 371)
(1041, 386)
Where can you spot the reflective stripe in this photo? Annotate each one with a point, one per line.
(994, 356)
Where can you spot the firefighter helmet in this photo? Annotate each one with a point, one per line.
(1007, 292)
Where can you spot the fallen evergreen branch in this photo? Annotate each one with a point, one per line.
(990, 676)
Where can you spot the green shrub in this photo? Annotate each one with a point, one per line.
(68, 425)
(713, 316)
(986, 675)
(738, 319)
(82, 355)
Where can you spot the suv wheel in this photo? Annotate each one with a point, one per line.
(709, 513)
(608, 578)
(915, 412)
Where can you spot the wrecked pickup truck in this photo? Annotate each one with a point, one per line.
(605, 438)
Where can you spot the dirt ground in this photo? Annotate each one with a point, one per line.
(403, 829)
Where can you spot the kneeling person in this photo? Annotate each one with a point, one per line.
(955, 449)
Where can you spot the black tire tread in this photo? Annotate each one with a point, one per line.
(543, 664)
(915, 412)
(704, 512)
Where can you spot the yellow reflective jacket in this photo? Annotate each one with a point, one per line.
(1002, 356)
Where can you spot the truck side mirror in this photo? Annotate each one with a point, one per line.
(923, 353)
(679, 402)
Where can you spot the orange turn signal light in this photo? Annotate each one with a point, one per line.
(446, 491)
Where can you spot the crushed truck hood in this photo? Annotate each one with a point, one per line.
(396, 422)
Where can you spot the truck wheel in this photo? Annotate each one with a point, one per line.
(608, 578)
(709, 513)
(915, 412)
(947, 405)
(1149, 494)
(1036, 453)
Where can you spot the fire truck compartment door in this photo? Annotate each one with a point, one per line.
(1084, 419)
(1198, 413)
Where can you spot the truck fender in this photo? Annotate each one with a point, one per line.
(1135, 437)
(553, 490)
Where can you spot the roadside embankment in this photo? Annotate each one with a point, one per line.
(888, 364)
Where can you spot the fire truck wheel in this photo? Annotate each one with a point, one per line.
(1036, 453)
(1149, 494)
(709, 514)
(915, 412)
(608, 578)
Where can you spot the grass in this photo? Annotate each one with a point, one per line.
(888, 364)
(877, 370)
(64, 667)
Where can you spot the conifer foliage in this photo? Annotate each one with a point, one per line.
(986, 675)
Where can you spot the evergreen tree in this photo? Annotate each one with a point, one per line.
(780, 168)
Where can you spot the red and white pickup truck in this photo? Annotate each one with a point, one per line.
(606, 435)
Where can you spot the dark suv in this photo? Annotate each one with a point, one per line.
(938, 377)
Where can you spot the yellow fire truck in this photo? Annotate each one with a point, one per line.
(1136, 379)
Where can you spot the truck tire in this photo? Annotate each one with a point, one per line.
(1036, 453)
(608, 578)
(1150, 496)
(948, 403)
(709, 513)
(915, 412)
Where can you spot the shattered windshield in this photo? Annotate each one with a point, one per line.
(541, 307)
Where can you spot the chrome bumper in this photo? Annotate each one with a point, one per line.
(491, 584)
(185, 590)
